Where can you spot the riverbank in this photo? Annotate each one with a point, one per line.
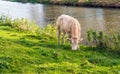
(103, 4)
(79, 3)
(83, 3)
(26, 49)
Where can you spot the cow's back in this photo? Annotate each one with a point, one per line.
(64, 23)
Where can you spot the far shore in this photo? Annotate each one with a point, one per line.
(87, 4)
(79, 3)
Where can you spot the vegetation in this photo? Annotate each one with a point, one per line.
(32, 1)
(70, 1)
(104, 41)
(24, 1)
(87, 3)
(23, 50)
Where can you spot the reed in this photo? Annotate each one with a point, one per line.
(102, 40)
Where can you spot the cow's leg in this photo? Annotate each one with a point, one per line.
(59, 37)
(69, 37)
(63, 41)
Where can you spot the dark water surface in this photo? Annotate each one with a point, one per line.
(100, 19)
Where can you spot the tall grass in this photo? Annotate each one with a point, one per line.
(25, 25)
(20, 24)
(101, 40)
(70, 1)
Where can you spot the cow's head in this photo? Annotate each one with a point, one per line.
(74, 43)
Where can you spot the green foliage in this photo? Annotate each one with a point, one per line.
(45, 1)
(32, 1)
(89, 1)
(95, 38)
(71, 1)
(104, 41)
(2, 18)
(113, 41)
(24, 1)
(21, 24)
(24, 25)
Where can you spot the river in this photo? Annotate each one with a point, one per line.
(100, 19)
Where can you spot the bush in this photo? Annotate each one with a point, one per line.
(24, 25)
(20, 24)
(96, 39)
(45, 1)
(71, 1)
(25, 1)
(104, 41)
(90, 1)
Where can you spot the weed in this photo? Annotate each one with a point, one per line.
(104, 41)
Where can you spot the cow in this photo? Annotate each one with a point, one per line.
(70, 26)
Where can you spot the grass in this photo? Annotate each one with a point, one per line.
(38, 52)
(107, 41)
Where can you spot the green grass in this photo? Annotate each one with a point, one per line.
(31, 53)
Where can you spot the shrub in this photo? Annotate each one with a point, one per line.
(96, 39)
(2, 18)
(20, 24)
(71, 1)
(104, 41)
(48, 31)
(45, 1)
(24, 25)
(25, 1)
(89, 1)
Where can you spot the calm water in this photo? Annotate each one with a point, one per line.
(90, 18)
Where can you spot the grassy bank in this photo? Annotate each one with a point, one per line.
(26, 50)
(84, 3)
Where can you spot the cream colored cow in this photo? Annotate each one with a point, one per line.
(70, 26)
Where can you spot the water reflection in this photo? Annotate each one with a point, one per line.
(37, 14)
(90, 18)
(18, 10)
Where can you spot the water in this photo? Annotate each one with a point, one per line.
(99, 19)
